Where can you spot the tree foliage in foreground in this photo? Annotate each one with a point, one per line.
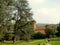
(23, 26)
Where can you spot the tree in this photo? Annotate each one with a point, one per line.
(58, 30)
(23, 26)
(5, 17)
(22, 19)
(24, 31)
(50, 31)
(23, 10)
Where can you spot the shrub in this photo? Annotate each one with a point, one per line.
(38, 36)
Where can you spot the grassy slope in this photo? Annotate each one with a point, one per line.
(34, 42)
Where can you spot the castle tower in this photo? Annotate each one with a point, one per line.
(34, 25)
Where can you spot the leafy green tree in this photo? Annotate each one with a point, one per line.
(50, 31)
(3, 15)
(24, 31)
(5, 18)
(24, 12)
(23, 26)
(22, 18)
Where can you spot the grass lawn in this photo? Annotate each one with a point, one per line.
(34, 42)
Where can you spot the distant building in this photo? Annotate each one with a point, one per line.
(36, 29)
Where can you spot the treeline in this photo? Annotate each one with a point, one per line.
(50, 32)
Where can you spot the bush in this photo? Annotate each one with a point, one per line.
(38, 36)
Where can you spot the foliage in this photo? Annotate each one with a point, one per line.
(38, 36)
(23, 26)
(8, 36)
(50, 31)
(58, 30)
(24, 31)
(5, 17)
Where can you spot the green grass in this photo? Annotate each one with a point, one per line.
(33, 42)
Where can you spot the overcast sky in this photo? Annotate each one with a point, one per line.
(45, 11)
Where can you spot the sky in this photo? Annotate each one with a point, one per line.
(45, 11)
